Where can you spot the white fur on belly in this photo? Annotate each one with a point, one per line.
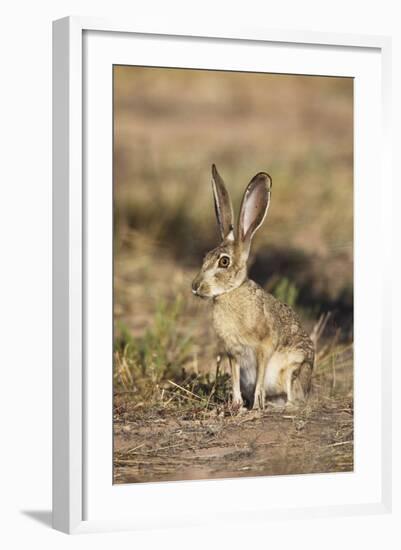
(247, 361)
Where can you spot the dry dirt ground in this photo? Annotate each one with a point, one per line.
(166, 445)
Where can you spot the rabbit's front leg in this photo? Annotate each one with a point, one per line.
(259, 395)
(235, 380)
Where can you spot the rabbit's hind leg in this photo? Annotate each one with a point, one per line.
(298, 382)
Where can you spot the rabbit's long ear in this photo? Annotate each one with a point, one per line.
(255, 203)
(223, 206)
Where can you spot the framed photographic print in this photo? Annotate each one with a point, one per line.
(219, 276)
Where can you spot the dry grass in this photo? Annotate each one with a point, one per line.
(171, 412)
(186, 428)
(189, 430)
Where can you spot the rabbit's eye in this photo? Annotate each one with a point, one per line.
(224, 261)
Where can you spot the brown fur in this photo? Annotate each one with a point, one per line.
(270, 353)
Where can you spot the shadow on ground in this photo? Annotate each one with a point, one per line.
(41, 516)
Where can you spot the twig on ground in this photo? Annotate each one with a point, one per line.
(185, 390)
(340, 443)
(135, 448)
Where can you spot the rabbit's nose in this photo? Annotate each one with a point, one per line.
(195, 286)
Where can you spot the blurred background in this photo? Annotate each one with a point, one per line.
(170, 125)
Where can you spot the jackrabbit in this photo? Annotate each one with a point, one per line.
(270, 354)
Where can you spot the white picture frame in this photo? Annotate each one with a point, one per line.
(83, 49)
